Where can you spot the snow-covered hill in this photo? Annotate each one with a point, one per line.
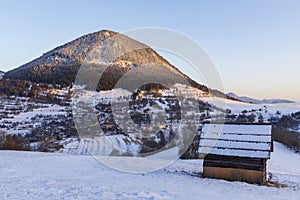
(237, 107)
(32, 175)
(101, 48)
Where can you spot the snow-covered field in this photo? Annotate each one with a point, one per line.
(32, 175)
(237, 107)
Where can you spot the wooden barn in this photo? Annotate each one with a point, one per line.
(236, 152)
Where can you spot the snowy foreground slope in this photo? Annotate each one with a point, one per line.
(30, 175)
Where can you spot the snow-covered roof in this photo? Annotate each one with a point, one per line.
(242, 140)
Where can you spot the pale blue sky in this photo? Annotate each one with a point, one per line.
(255, 44)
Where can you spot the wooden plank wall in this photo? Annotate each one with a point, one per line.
(257, 164)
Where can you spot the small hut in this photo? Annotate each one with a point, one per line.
(236, 152)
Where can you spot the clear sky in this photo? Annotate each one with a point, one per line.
(255, 44)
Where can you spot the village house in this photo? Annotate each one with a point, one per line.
(236, 152)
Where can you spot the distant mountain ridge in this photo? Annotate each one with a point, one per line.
(61, 64)
(257, 101)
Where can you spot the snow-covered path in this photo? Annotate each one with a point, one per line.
(31, 175)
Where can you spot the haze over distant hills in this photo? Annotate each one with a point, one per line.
(257, 101)
(1, 74)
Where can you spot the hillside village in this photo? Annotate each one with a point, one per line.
(35, 123)
(45, 122)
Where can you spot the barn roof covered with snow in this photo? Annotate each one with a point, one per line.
(241, 140)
